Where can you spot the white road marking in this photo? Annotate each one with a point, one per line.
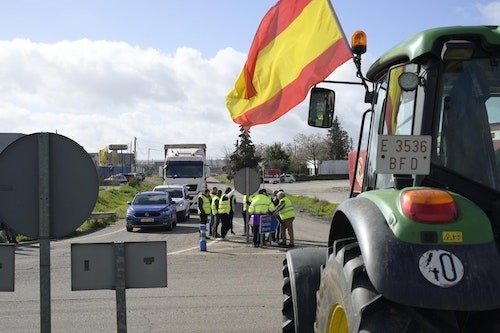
(213, 242)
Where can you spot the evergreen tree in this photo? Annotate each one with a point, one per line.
(244, 155)
(275, 157)
(339, 142)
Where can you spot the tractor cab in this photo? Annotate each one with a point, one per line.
(416, 247)
(438, 96)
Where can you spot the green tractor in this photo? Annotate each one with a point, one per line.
(416, 246)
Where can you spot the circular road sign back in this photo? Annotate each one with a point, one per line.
(73, 185)
(246, 181)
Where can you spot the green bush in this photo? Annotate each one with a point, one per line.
(114, 200)
(134, 182)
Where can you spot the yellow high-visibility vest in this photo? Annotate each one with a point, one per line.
(206, 207)
(287, 211)
(261, 204)
(224, 205)
(214, 205)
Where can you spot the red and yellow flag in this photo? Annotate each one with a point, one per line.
(297, 45)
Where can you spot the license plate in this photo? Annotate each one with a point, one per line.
(148, 219)
(404, 154)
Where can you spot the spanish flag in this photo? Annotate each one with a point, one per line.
(394, 101)
(297, 45)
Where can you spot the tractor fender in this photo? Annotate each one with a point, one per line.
(396, 268)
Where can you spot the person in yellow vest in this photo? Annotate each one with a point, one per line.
(213, 215)
(224, 210)
(204, 207)
(244, 207)
(232, 200)
(286, 213)
(274, 237)
(215, 212)
(260, 205)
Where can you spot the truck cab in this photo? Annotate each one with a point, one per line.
(185, 164)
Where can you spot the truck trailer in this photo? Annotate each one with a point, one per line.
(271, 176)
(416, 246)
(187, 164)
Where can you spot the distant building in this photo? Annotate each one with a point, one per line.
(495, 135)
(7, 138)
(112, 160)
(334, 167)
(330, 167)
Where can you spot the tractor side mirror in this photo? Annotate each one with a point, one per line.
(321, 107)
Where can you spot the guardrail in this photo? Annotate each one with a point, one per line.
(102, 215)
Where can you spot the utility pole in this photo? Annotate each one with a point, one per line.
(135, 154)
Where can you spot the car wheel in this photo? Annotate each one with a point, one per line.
(188, 212)
(130, 229)
(169, 226)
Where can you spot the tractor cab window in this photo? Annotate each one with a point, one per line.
(400, 104)
(394, 110)
(467, 126)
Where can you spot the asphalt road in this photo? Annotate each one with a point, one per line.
(231, 287)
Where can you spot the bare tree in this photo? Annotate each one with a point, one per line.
(311, 149)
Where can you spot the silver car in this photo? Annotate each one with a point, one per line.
(179, 195)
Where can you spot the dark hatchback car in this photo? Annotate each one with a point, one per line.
(151, 210)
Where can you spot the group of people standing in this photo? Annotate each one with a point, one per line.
(278, 205)
(220, 207)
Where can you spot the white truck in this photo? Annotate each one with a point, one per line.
(186, 164)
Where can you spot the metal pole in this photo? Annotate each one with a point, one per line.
(120, 285)
(44, 230)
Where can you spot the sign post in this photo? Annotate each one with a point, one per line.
(36, 195)
(247, 181)
(44, 230)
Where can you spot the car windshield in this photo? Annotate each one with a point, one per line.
(150, 199)
(175, 193)
(468, 123)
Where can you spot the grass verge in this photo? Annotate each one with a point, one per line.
(314, 206)
(111, 199)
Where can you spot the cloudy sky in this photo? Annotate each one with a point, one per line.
(157, 71)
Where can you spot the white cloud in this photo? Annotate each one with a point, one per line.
(99, 93)
(490, 12)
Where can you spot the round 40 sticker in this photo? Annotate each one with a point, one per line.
(441, 268)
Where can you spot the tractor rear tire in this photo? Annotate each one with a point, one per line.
(348, 302)
(301, 276)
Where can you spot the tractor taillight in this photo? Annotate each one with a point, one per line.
(429, 206)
